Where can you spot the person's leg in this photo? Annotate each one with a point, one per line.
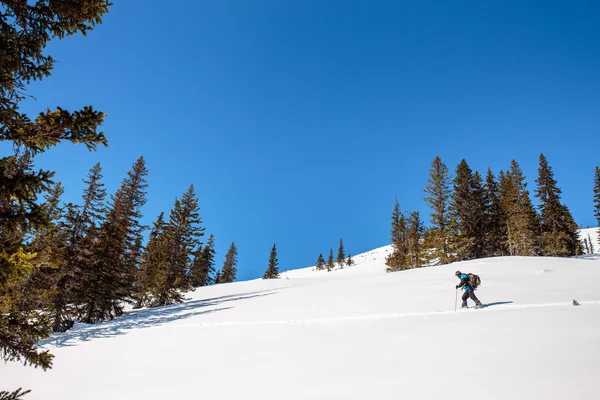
(471, 294)
(465, 296)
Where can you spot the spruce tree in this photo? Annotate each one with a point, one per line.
(153, 271)
(218, 277)
(521, 219)
(329, 264)
(494, 233)
(467, 213)
(229, 270)
(397, 260)
(118, 251)
(414, 236)
(349, 261)
(439, 194)
(272, 272)
(320, 262)
(597, 199)
(591, 245)
(559, 233)
(341, 256)
(203, 267)
(27, 28)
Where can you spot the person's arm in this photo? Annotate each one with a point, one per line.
(463, 282)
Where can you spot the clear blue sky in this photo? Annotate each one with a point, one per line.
(299, 122)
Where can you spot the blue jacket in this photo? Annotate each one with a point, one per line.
(464, 282)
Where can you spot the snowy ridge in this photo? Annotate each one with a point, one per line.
(353, 333)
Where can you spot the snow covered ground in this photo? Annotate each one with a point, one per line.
(355, 333)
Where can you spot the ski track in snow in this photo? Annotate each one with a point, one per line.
(334, 320)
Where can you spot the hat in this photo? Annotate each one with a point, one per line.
(457, 273)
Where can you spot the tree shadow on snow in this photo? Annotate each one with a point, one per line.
(145, 318)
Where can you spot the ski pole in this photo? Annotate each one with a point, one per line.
(455, 300)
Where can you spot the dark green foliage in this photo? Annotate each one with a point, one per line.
(397, 260)
(467, 213)
(597, 198)
(229, 270)
(110, 280)
(349, 261)
(439, 235)
(174, 252)
(25, 30)
(320, 262)
(218, 277)
(203, 267)
(330, 264)
(559, 233)
(414, 236)
(341, 256)
(521, 219)
(494, 232)
(406, 237)
(591, 245)
(16, 395)
(272, 272)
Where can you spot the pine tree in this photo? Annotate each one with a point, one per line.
(414, 236)
(320, 262)
(218, 277)
(397, 260)
(494, 233)
(27, 28)
(329, 264)
(82, 228)
(467, 213)
(591, 251)
(272, 272)
(349, 261)
(559, 233)
(153, 271)
(597, 199)
(341, 256)
(521, 219)
(438, 189)
(203, 268)
(16, 395)
(229, 270)
(118, 251)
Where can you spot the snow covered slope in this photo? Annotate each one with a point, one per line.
(355, 333)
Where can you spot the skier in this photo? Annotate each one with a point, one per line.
(466, 285)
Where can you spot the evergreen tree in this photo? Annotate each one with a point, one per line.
(229, 270)
(467, 213)
(16, 395)
(27, 28)
(521, 219)
(329, 264)
(272, 272)
(320, 262)
(397, 260)
(349, 261)
(341, 256)
(597, 199)
(559, 233)
(414, 236)
(153, 271)
(82, 227)
(494, 233)
(203, 268)
(218, 277)
(438, 189)
(118, 252)
(180, 241)
(591, 245)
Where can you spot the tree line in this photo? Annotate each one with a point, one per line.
(472, 217)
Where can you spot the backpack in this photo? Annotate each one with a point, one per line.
(474, 280)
